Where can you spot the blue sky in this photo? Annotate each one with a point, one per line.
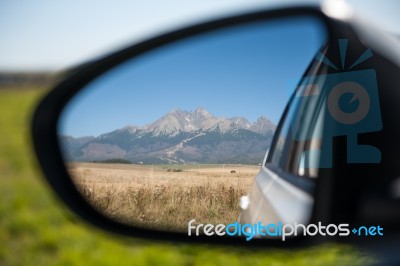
(244, 71)
(48, 35)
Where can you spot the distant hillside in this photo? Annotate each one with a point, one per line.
(24, 79)
(178, 137)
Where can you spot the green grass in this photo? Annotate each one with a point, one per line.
(36, 229)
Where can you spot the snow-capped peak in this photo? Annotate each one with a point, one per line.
(177, 120)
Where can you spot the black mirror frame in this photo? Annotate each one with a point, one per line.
(46, 145)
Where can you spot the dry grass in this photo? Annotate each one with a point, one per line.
(158, 197)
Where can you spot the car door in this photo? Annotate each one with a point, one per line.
(282, 190)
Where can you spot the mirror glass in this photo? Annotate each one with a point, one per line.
(180, 133)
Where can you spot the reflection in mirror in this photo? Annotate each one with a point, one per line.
(180, 132)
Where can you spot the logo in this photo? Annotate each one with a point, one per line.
(348, 105)
(358, 94)
(280, 230)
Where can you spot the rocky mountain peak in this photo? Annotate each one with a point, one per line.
(179, 136)
(178, 120)
(263, 126)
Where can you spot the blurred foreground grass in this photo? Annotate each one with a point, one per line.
(35, 228)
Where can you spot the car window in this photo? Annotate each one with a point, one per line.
(331, 113)
(297, 141)
(300, 133)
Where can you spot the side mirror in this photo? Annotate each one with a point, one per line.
(167, 135)
(162, 139)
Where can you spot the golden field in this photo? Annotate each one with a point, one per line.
(166, 197)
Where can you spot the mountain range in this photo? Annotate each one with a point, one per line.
(178, 137)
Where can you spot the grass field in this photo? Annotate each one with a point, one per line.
(35, 228)
(164, 196)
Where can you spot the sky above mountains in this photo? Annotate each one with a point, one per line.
(248, 70)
